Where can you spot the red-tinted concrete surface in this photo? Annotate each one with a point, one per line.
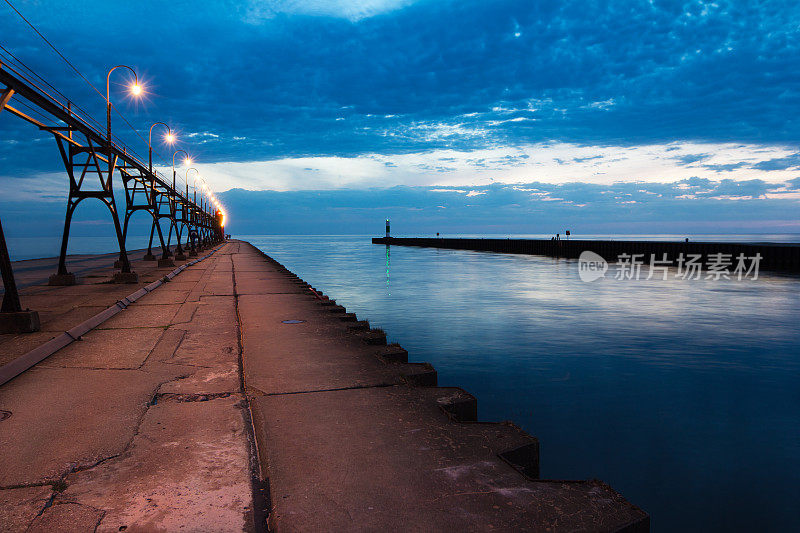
(145, 424)
(139, 426)
(61, 308)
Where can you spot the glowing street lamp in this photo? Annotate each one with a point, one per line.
(192, 214)
(194, 186)
(203, 186)
(169, 138)
(187, 182)
(187, 161)
(186, 178)
(209, 197)
(135, 90)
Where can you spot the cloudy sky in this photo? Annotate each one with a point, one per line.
(447, 115)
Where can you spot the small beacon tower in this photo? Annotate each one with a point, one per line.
(387, 228)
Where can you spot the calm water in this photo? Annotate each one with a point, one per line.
(20, 248)
(684, 395)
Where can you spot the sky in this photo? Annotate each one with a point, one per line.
(327, 116)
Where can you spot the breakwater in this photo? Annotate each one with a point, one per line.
(291, 414)
(771, 256)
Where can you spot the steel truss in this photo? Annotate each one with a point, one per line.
(91, 162)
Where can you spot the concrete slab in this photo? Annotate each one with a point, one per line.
(68, 418)
(62, 321)
(12, 346)
(67, 517)
(61, 309)
(218, 287)
(222, 378)
(107, 348)
(142, 315)
(317, 354)
(165, 295)
(204, 349)
(185, 313)
(279, 284)
(193, 274)
(379, 459)
(20, 506)
(187, 469)
(178, 284)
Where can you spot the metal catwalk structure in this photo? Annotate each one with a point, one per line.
(92, 159)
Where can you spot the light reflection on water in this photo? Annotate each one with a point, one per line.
(681, 394)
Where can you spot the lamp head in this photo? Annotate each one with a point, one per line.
(136, 89)
(169, 138)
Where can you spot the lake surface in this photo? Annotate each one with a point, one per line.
(21, 248)
(684, 395)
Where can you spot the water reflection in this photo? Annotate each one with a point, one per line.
(684, 395)
(388, 252)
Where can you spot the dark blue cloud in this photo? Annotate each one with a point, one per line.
(688, 159)
(512, 71)
(697, 182)
(794, 184)
(783, 163)
(725, 167)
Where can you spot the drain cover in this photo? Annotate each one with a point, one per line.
(4, 414)
(293, 321)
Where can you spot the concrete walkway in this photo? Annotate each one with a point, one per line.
(139, 426)
(147, 424)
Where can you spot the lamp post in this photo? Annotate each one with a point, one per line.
(202, 221)
(125, 275)
(173, 194)
(135, 89)
(213, 215)
(170, 138)
(188, 161)
(189, 240)
(187, 179)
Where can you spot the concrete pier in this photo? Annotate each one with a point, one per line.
(237, 397)
(773, 256)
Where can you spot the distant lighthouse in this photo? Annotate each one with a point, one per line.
(387, 228)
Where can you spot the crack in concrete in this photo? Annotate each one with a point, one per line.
(127, 368)
(132, 327)
(137, 427)
(183, 364)
(262, 498)
(191, 315)
(353, 387)
(28, 485)
(162, 339)
(188, 397)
